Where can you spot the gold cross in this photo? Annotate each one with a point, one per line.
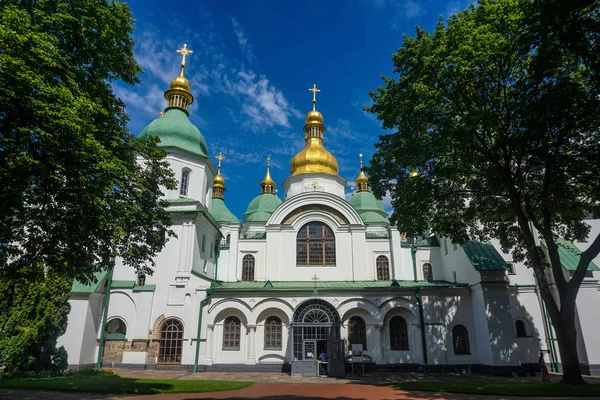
(315, 91)
(184, 52)
(315, 279)
(220, 157)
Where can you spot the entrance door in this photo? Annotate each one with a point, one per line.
(309, 356)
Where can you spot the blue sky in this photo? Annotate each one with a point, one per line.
(251, 69)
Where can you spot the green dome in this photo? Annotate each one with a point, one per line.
(174, 129)
(369, 208)
(221, 213)
(261, 207)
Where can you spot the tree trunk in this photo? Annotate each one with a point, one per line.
(566, 335)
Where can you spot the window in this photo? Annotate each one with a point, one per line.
(460, 339)
(211, 249)
(315, 245)
(398, 334)
(383, 268)
(510, 268)
(228, 238)
(427, 272)
(232, 329)
(248, 268)
(171, 342)
(520, 327)
(141, 280)
(204, 243)
(185, 180)
(273, 333)
(357, 332)
(116, 326)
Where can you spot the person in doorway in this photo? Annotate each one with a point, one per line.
(544, 369)
(322, 362)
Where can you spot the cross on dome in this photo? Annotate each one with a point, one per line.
(184, 51)
(220, 157)
(315, 279)
(315, 91)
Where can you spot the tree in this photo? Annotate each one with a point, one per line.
(500, 121)
(73, 189)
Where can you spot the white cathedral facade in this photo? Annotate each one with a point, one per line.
(313, 273)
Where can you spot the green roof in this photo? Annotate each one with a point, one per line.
(368, 207)
(92, 287)
(569, 255)
(484, 256)
(219, 210)
(175, 130)
(331, 285)
(261, 207)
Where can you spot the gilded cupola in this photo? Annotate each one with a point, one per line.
(314, 158)
(179, 93)
(362, 182)
(268, 184)
(219, 181)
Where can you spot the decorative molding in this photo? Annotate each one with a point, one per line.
(292, 216)
(254, 235)
(378, 235)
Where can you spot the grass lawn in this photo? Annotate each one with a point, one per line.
(116, 385)
(504, 389)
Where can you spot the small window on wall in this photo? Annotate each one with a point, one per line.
(521, 328)
(211, 249)
(232, 331)
(248, 268)
(204, 243)
(398, 334)
(116, 329)
(460, 339)
(510, 268)
(185, 180)
(273, 333)
(427, 272)
(141, 280)
(228, 238)
(383, 268)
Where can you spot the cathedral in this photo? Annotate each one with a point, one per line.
(313, 282)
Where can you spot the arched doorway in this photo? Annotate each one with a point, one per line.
(316, 329)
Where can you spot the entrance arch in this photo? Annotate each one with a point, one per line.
(316, 328)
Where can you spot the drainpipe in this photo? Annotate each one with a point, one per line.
(546, 321)
(422, 322)
(413, 252)
(105, 313)
(203, 302)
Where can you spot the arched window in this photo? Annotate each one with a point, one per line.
(185, 180)
(427, 272)
(315, 245)
(383, 268)
(398, 334)
(460, 339)
(211, 249)
(232, 329)
(171, 342)
(273, 333)
(521, 329)
(357, 332)
(228, 238)
(204, 243)
(248, 268)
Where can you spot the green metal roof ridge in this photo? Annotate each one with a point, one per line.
(116, 284)
(569, 255)
(484, 256)
(145, 288)
(205, 277)
(92, 287)
(333, 285)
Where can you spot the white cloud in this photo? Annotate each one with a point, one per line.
(242, 40)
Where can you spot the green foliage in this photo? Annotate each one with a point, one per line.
(117, 385)
(73, 191)
(498, 111)
(33, 314)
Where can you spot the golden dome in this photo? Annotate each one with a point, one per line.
(314, 117)
(268, 184)
(180, 83)
(314, 158)
(219, 180)
(362, 178)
